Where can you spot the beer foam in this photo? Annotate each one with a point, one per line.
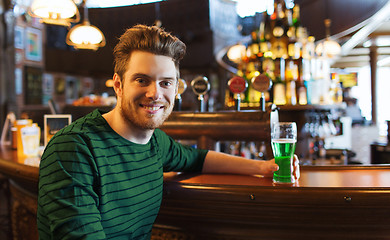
(284, 140)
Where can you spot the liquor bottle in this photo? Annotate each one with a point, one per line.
(291, 77)
(279, 31)
(279, 86)
(302, 93)
(308, 50)
(279, 91)
(296, 21)
(265, 33)
(269, 69)
(254, 47)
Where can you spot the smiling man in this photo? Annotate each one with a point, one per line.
(102, 176)
(146, 95)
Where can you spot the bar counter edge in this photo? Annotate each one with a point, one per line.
(218, 206)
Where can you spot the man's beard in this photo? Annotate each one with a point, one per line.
(150, 123)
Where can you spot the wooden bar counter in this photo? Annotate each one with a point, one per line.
(328, 202)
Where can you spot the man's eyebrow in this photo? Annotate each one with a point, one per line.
(141, 75)
(169, 78)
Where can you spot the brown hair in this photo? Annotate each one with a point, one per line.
(150, 39)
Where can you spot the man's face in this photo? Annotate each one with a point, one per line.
(148, 90)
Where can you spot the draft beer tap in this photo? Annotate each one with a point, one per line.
(200, 86)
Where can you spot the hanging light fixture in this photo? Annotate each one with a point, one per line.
(328, 48)
(57, 12)
(236, 53)
(85, 35)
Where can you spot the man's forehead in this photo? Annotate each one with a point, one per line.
(151, 64)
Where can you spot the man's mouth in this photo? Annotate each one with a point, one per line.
(152, 108)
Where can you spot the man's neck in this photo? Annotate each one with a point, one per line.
(125, 129)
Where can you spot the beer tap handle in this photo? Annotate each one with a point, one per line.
(200, 86)
(237, 85)
(262, 83)
(182, 86)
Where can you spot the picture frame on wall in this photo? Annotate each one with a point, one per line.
(32, 85)
(53, 123)
(19, 37)
(33, 44)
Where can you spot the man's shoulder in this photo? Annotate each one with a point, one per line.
(82, 128)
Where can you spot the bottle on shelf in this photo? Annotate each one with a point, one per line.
(279, 39)
(291, 75)
(302, 93)
(265, 34)
(279, 85)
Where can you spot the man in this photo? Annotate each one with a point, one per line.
(101, 177)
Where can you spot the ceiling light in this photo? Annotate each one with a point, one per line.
(58, 12)
(236, 52)
(85, 35)
(328, 48)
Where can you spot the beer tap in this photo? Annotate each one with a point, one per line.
(237, 85)
(261, 83)
(182, 86)
(200, 86)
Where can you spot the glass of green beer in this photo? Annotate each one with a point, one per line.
(283, 139)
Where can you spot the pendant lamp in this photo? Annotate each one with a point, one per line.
(57, 12)
(328, 48)
(85, 35)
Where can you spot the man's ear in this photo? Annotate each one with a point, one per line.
(117, 84)
(177, 87)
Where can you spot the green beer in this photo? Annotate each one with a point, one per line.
(283, 150)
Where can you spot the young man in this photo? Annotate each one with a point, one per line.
(101, 177)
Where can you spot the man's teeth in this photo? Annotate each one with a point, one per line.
(152, 108)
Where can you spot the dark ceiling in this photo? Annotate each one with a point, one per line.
(190, 21)
(353, 23)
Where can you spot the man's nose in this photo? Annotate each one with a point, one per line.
(153, 91)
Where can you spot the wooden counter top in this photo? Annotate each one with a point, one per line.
(328, 202)
(346, 176)
(18, 170)
(335, 202)
(349, 176)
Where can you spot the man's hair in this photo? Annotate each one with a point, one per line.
(149, 39)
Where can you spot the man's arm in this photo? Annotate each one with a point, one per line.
(67, 202)
(217, 162)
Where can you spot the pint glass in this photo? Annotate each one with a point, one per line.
(283, 140)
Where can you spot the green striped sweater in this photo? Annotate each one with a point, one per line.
(94, 184)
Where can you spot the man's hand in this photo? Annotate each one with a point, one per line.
(269, 167)
(217, 162)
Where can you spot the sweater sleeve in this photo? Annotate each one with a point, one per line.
(178, 157)
(67, 198)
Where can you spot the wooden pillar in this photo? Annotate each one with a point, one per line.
(373, 66)
(2, 65)
(7, 60)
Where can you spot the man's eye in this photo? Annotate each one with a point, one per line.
(166, 84)
(140, 80)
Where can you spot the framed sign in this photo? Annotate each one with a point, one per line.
(19, 37)
(33, 44)
(53, 123)
(33, 85)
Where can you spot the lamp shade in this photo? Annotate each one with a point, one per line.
(236, 52)
(85, 36)
(58, 12)
(328, 48)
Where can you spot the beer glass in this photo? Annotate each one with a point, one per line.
(283, 140)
